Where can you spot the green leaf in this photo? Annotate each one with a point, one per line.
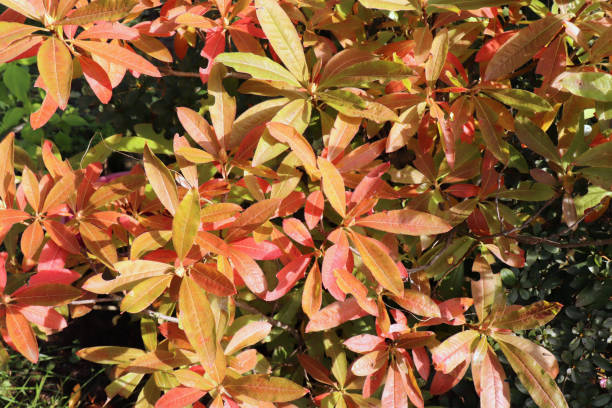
(527, 191)
(389, 5)
(257, 66)
(494, 142)
(536, 139)
(352, 105)
(283, 37)
(364, 73)
(599, 176)
(17, 80)
(520, 100)
(598, 156)
(452, 254)
(592, 85)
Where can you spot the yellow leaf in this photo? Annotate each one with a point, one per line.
(161, 180)
(332, 186)
(283, 37)
(185, 223)
(198, 322)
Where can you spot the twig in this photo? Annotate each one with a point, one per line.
(95, 301)
(524, 224)
(161, 316)
(113, 298)
(270, 320)
(433, 260)
(171, 72)
(530, 239)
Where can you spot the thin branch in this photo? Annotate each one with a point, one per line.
(530, 239)
(161, 316)
(95, 301)
(433, 260)
(270, 320)
(170, 72)
(113, 298)
(525, 224)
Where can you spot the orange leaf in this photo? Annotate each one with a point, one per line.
(153, 48)
(379, 262)
(394, 392)
(32, 239)
(145, 293)
(97, 78)
(180, 397)
(344, 130)
(55, 67)
(299, 145)
(199, 130)
(418, 303)
(298, 231)
(334, 315)
(248, 335)
(29, 184)
(62, 236)
(253, 217)
(7, 172)
(60, 192)
(406, 221)
(454, 350)
(20, 47)
(52, 294)
(21, 334)
(99, 243)
(119, 55)
(9, 216)
(312, 295)
(313, 210)
(223, 111)
(348, 283)
(47, 109)
(211, 280)
(264, 388)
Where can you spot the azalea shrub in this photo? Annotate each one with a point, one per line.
(329, 225)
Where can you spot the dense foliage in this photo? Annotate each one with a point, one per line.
(390, 195)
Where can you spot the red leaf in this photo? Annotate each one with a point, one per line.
(297, 231)
(443, 382)
(288, 277)
(179, 397)
(119, 55)
(313, 211)
(97, 78)
(261, 251)
(43, 316)
(334, 315)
